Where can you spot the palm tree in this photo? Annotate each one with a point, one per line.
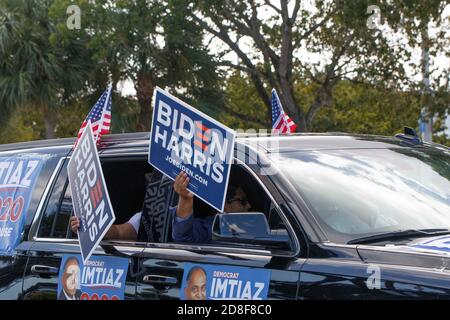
(34, 70)
(153, 44)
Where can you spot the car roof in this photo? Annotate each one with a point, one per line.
(324, 141)
(268, 143)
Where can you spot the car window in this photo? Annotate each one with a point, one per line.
(61, 224)
(55, 220)
(253, 199)
(125, 179)
(128, 198)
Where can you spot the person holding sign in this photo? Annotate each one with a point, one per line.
(124, 231)
(185, 227)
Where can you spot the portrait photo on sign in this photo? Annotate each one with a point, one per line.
(219, 282)
(69, 286)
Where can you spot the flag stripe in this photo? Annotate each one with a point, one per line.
(281, 123)
(99, 116)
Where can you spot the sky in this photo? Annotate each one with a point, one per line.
(440, 62)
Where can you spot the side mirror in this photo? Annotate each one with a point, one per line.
(246, 227)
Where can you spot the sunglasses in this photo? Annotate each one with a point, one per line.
(243, 200)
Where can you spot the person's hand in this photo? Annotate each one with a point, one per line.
(74, 224)
(186, 198)
(180, 186)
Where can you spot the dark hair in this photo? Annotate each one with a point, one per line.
(233, 184)
(231, 192)
(191, 272)
(72, 258)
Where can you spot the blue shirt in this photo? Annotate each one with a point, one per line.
(190, 229)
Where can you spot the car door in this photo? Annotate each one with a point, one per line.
(52, 241)
(166, 267)
(12, 266)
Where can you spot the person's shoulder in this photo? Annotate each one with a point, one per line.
(61, 295)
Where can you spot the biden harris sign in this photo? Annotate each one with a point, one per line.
(90, 197)
(185, 139)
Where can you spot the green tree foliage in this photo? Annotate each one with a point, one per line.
(33, 70)
(124, 116)
(356, 107)
(23, 124)
(363, 108)
(356, 80)
(244, 107)
(26, 122)
(425, 27)
(150, 43)
(279, 33)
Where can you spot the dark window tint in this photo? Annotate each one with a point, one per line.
(61, 223)
(55, 220)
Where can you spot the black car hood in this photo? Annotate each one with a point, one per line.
(432, 253)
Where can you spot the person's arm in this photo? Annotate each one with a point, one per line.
(182, 224)
(186, 198)
(182, 228)
(186, 228)
(191, 230)
(124, 231)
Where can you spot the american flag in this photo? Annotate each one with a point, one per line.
(99, 116)
(281, 123)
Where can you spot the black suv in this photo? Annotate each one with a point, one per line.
(349, 217)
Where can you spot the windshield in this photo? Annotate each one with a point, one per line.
(359, 192)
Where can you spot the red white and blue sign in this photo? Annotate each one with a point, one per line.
(100, 278)
(218, 282)
(18, 176)
(90, 196)
(185, 139)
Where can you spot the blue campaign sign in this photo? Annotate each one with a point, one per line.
(439, 244)
(217, 282)
(18, 176)
(185, 139)
(100, 278)
(90, 196)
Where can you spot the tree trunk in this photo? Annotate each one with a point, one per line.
(426, 115)
(290, 105)
(323, 98)
(301, 125)
(144, 92)
(49, 122)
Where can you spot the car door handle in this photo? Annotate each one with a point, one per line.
(44, 270)
(160, 280)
